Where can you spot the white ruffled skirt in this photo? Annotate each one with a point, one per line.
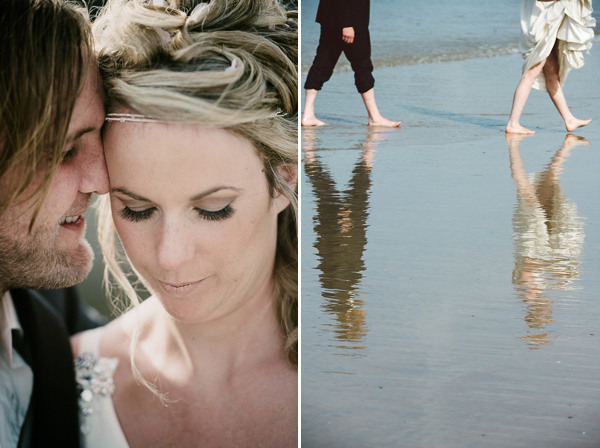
(542, 23)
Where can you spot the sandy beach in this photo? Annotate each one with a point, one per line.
(431, 315)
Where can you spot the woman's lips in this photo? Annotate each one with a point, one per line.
(180, 289)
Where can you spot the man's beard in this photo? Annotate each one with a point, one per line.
(35, 262)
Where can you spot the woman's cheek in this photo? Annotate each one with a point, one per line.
(133, 238)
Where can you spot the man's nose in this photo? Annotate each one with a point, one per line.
(94, 178)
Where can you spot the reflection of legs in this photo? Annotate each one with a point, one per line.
(520, 98)
(517, 168)
(368, 155)
(340, 229)
(359, 55)
(525, 278)
(555, 91)
(551, 176)
(308, 144)
(328, 53)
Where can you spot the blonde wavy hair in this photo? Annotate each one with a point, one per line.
(228, 64)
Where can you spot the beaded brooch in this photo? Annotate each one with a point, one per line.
(94, 378)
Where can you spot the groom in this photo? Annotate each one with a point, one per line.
(344, 28)
(51, 163)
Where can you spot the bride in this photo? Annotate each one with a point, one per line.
(201, 148)
(555, 33)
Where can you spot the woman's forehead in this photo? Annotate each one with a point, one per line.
(181, 155)
(183, 140)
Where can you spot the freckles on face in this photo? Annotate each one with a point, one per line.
(194, 213)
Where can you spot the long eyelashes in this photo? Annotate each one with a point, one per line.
(130, 215)
(134, 216)
(219, 215)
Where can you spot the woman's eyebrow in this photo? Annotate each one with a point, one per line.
(130, 194)
(213, 190)
(193, 198)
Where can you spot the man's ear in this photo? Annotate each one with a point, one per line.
(289, 173)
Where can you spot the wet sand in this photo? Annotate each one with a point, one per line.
(449, 276)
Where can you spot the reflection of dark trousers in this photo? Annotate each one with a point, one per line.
(329, 50)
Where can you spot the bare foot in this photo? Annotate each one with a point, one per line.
(384, 122)
(312, 121)
(518, 129)
(577, 123)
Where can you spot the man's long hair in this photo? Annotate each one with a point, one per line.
(45, 46)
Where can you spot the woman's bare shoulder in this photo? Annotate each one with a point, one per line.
(115, 337)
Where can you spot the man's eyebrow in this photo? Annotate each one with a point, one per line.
(72, 138)
(193, 198)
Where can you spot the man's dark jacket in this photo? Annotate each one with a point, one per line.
(48, 318)
(344, 13)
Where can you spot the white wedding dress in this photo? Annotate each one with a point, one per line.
(99, 424)
(542, 23)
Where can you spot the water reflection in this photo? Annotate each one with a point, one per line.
(340, 228)
(548, 237)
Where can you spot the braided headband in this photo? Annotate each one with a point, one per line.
(137, 118)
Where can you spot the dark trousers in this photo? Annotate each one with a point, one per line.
(329, 50)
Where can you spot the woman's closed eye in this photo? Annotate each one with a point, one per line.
(136, 216)
(218, 215)
(142, 215)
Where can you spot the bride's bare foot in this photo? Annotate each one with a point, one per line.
(312, 121)
(384, 122)
(518, 129)
(576, 123)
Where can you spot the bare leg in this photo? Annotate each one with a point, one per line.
(375, 118)
(309, 118)
(520, 98)
(556, 93)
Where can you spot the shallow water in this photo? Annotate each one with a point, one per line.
(405, 32)
(449, 300)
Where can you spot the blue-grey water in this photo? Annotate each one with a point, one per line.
(450, 276)
(406, 32)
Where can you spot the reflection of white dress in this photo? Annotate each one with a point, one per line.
(569, 21)
(100, 426)
(551, 244)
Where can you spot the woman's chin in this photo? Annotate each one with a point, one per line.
(187, 310)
